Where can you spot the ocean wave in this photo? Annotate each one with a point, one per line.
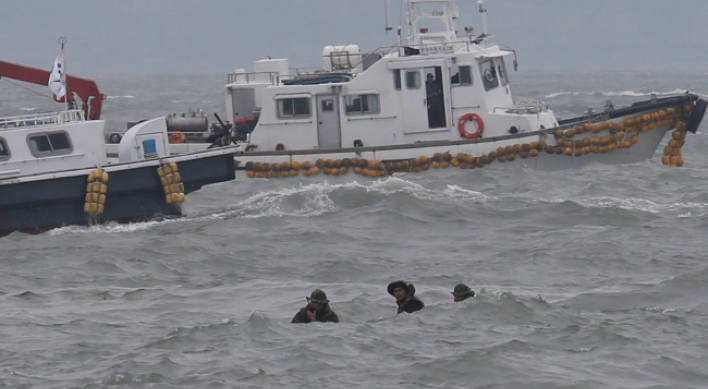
(120, 97)
(624, 93)
(558, 94)
(680, 210)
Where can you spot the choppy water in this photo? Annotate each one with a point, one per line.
(589, 278)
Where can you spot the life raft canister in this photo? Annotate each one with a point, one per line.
(473, 117)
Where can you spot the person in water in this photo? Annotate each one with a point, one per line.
(317, 309)
(405, 296)
(462, 292)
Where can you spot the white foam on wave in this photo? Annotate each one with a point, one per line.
(120, 97)
(110, 228)
(456, 192)
(681, 210)
(558, 94)
(631, 93)
(624, 93)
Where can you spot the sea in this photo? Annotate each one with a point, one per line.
(585, 278)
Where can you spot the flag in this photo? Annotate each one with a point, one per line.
(56, 77)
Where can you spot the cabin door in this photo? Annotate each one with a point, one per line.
(329, 135)
(422, 99)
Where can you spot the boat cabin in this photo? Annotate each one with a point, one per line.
(38, 143)
(432, 86)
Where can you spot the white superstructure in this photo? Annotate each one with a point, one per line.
(387, 99)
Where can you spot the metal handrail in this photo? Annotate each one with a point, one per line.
(13, 122)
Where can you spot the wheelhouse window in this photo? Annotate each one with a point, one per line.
(397, 79)
(501, 71)
(490, 79)
(412, 79)
(461, 75)
(4, 151)
(53, 143)
(296, 107)
(361, 104)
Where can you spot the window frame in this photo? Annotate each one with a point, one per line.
(458, 68)
(362, 97)
(417, 79)
(280, 107)
(397, 84)
(4, 150)
(55, 148)
(493, 71)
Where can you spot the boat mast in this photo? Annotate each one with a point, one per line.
(483, 11)
(62, 42)
(443, 11)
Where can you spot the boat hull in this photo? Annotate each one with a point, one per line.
(135, 193)
(622, 136)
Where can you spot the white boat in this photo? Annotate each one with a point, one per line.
(54, 170)
(437, 99)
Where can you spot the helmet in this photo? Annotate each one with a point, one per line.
(462, 290)
(317, 296)
(400, 284)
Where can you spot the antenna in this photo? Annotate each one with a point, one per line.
(483, 11)
(388, 28)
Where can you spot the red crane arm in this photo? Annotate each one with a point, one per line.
(87, 90)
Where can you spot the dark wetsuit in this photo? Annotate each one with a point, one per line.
(410, 304)
(325, 315)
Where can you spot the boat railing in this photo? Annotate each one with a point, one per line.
(254, 77)
(38, 119)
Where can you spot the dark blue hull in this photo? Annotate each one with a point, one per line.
(133, 194)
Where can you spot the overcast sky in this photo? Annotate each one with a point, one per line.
(174, 36)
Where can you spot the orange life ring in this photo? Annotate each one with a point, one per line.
(474, 118)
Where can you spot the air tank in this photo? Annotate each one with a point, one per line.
(188, 123)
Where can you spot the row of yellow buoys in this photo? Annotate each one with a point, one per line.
(96, 189)
(617, 135)
(672, 152)
(171, 183)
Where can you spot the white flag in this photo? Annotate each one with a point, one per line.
(56, 77)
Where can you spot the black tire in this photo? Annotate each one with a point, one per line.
(696, 116)
(115, 138)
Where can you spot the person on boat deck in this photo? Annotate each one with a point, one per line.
(317, 309)
(462, 292)
(434, 97)
(405, 296)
